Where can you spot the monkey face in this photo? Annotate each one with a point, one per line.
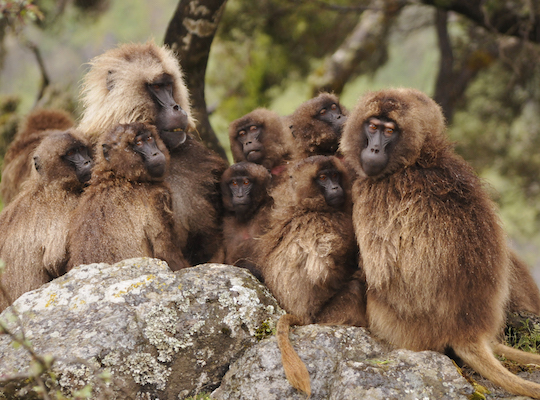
(332, 115)
(250, 139)
(171, 120)
(79, 158)
(240, 187)
(154, 159)
(329, 181)
(380, 136)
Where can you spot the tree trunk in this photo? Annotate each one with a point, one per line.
(190, 34)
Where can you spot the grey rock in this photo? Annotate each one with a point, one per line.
(160, 334)
(344, 363)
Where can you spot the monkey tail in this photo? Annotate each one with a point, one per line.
(295, 369)
(516, 355)
(479, 356)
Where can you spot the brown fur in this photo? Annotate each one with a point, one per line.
(309, 260)
(18, 159)
(34, 225)
(115, 92)
(433, 250)
(114, 89)
(311, 135)
(524, 293)
(241, 230)
(124, 212)
(276, 139)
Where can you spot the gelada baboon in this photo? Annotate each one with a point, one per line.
(18, 158)
(247, 203)
(316, 126)
(309, 255)
(434, 253)
(262, 138)
(34, 225)
(144, 83)
(125, 211)
(524, 293)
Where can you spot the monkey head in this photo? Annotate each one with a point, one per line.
(64, 156)
(390, 129)
(320, 183)
(260, 137)
(137, 83)
(134, 152)
(317, 125)
(244, 187)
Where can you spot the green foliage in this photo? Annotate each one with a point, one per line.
(525, 337)
(265, 330)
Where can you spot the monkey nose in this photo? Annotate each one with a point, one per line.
(376, 151)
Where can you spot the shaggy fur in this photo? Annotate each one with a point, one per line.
(34, 225)
(114, 92)
(18, 158)
(434, 253)
(313, 136)
(114, 89)
(124, 212)
(241, 229)
(276, 139)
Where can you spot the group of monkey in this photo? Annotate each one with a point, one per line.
(366, 218)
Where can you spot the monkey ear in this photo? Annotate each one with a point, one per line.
(109, 82)
(105, 147)
(37, 164)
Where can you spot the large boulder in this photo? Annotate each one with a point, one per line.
(161, 334)
(344, 363)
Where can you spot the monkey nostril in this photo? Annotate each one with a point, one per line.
(176, 107)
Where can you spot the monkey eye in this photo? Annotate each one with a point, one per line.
(246, 182)
(234, 182)
(372, 127)
(253, 128)
(149, 139)
(155, 86)
(242, 133)
(322, 112)
(334, 175)
(71, 152)
(322, 177)
(334, 106)
(388, 131)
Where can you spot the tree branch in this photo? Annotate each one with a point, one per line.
(190, 34)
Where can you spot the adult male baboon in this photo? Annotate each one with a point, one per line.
(262, 138)
(34, 225)
(125, 211)
(433, 250)
(144, 83)
(247, 203)
(18, 158)
(316, 126)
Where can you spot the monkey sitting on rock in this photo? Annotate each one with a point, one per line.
(126, 210)
(34, 226)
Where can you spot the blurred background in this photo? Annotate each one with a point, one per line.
(480, 59)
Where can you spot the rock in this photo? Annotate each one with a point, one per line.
(160, 334)
(344, 363)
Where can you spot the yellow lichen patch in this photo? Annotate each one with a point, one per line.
(134, 286)
(52, 300)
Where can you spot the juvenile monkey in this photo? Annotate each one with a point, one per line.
(316, 126)
(34, 225)
(247, 203)
(143, 82)
(434, 253)
(18, 158)
(125, 211)
(309, 256)
(262, 138)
